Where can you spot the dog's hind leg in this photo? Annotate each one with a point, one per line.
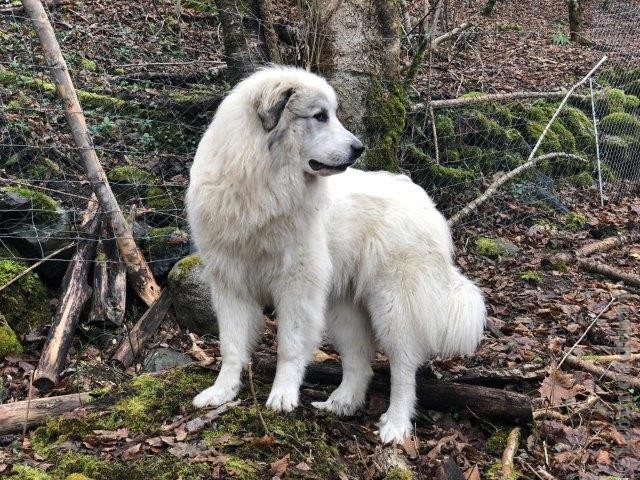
(350, 332)
(240, 322)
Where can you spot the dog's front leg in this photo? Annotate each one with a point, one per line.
(240, 322)
(300, 318)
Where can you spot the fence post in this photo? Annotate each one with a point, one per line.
(595, 132)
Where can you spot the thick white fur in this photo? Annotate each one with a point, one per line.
(366, 255)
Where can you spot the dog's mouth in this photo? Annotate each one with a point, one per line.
(317, 166)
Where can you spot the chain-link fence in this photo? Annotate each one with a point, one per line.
(150, 76)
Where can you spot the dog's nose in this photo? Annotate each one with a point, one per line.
(356, 150)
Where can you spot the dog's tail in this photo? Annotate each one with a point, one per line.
(465, 317)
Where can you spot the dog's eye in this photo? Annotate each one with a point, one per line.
(321, 116)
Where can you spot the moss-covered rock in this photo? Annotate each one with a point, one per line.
(565, 137)
(551, 142)
(611, 100)
(163, 247)
(581, 180)
(581, 126)
(25, 303)
(77, 476)
(43, 208)
(24, 472)
(9, 343)
(515, 142)
(633, 88)
(476, 128)
(620, 124)
(494, 247)
(191, 297)
(631, 103)
(445, 127)
(574, 221)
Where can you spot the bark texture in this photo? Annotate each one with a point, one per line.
(358, 49)
(13, 416)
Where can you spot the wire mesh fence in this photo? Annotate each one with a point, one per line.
(149, 89)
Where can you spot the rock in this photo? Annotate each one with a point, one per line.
(164, 358)
(163, 247)
(191, 298)
(495, 247)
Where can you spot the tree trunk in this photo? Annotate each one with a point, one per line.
(488, 7)
(575, 19)
(357, 47)
(244, 41)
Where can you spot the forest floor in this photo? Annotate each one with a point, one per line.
(144, 426)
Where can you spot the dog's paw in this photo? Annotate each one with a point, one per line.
(284, 400)
(215, 396)
(394, 428)
(341, 402)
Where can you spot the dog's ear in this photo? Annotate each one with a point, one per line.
(271, 107)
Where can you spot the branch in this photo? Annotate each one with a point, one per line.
(493, 188)
(598, 371)
(509, 452)
(489, 97)
(140, 274)
(602, 269)
(607, 244)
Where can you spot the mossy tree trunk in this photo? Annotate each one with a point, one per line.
(359, 51)
(575, 19)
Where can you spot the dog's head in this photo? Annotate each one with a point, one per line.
(297, 113)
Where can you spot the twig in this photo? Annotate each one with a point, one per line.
(631, 357)
(607, 244)
(584, 334)
(36, 265)
(493, 188)
(614, 273)
(255, 398)
(26, 416)
(602, 372)
(435, 135)
(510, 450)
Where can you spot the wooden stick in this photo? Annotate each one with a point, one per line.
(140, 275)
(13, 416)
(607, 244)
(509, 452)
(488, 97)
(602, 269)
(75, 292)
(109, 286)
(598, 371)
(631, 357)
(493, 188)
(432, 394)
(143, 330)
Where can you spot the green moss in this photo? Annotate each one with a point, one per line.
(450, 156)
(159, 199)
(516, 142)
(472, 95)
(581, 180)
(631, 103)
(449, 176)
(445, 127)
(551, 142)
(575, 221)
(42, 167)
(580, 126)
(9, 343)
(158, 241)
(491, 247)
(565, 137)
(24, 472)
(611, 100)
(385, 124)
(397, 473)
(478, 129)
(497, 442)
(633, 88)
(77, 476)
(620, 124)
(181, 269)
(43, 207)
(241, 469)
(541, 112)
(129, 174)
(89, 65)
(530, 276)
(495, 472)
(25, 303)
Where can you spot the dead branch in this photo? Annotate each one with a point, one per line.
(172, 79)
(432, 393)
(75, 293)
(611, 272)
(631, 357)
(493, 188)
(13, 416)
(140, 275)
(489, 97)
(108, 301)
(510, 450)
(599, 372)
(607, 244)
(143, 330)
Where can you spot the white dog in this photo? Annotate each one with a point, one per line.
(365, 254)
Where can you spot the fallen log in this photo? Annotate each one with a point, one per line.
(432, 393)
(598, 371)
(75, 293)
(607, 244)
(143, 330)
(109, 297)
(140, 275)
(14, 416)
(611, 272)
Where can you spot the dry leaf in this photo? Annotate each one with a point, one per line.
(280, 466)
